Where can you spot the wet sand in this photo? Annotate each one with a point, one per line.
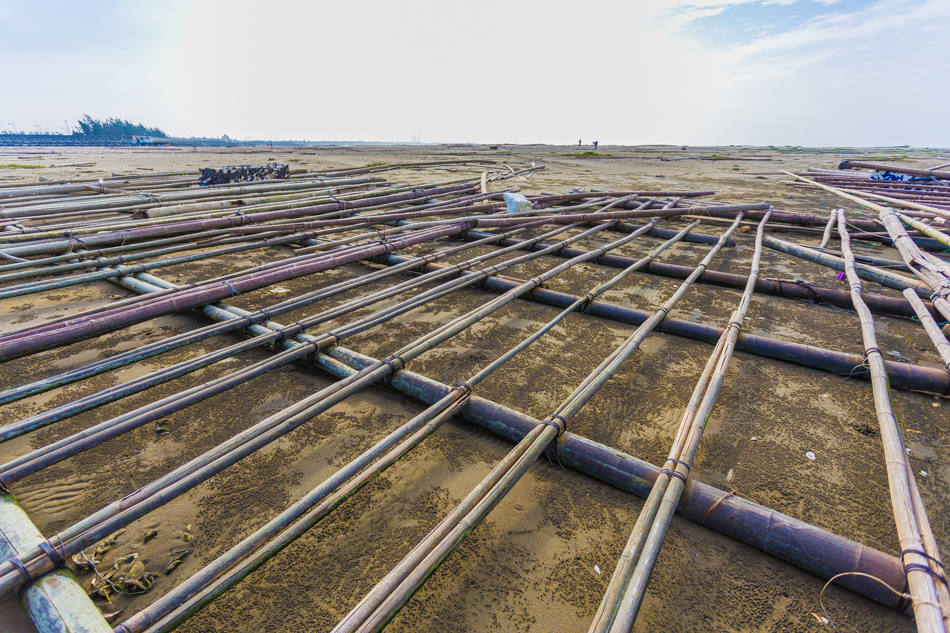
(532, 565)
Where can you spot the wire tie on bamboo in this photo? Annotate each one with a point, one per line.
(588, 299)
(719, 501)
(121, 628)
(464, 387)
(342, 203)
(559, 426)
(906, 598)
(917, 566)
(295, 328)
(234, 291)
(56, 554)
(924, 554)
(678, 461)
(936, 293)
(395, 363)
(673, 473)
(20, 567)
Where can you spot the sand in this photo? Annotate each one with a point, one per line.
(542, 559)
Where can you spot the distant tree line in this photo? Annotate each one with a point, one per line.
(115, 127)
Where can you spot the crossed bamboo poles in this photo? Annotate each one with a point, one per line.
(216, 578)
(34, 563)
(545, 219)
(627, 587)
(382, 603)
(71, 445)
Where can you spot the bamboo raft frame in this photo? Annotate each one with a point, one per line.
(59, 235)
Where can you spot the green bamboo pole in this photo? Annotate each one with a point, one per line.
(911, 523)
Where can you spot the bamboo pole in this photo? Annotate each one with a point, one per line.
(382, 603)
(911, 520)
(926, 229)
(198, 591)
(826, 236)
(69, 446)
(774, 287)
(176, 196)
(930, 326)
(169, 344)
(810, 548)
(851, 164)
(162, 227)
(901, 375)
(167, 487)
(935, 276)
(628, 586)
(878, 275)
(55, 603)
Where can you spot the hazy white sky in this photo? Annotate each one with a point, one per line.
(772, 72)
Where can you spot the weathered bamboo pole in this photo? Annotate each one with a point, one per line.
(857, 164)
(930, 326)
(886, 278)
(169, 344)
(244, 189)
(382, 603)
(912, 521)
(901, 375)
(154, 495)
(488, 222)
(55, 603)
(175, 227)
(935, 276)
(80, 329)
(45, 337)
(926, 229)
(188, 598)
(826, 237)
(71, 445)
(773, 287)
(623, 603)
(810, 548)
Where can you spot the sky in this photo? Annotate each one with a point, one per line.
(823, 73)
